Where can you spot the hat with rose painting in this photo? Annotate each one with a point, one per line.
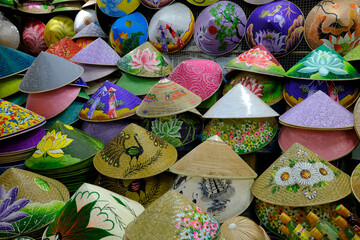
(29, 202)
(173, 216)
(299, 178)
(259, 60)
(145, 61)
(323, 63)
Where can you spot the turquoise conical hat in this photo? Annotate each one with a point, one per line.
(13, 61)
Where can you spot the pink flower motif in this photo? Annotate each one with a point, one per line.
(31, 5)
(240, 141)
(256, 134)
(145, 59)
(231, 137)
(231, 147)
(261, 129)
(252, 85)
(268, 138)
(260, 124)
(218, 133)
(243, 136)
(254, 57)
(247, 132)
(231, 132)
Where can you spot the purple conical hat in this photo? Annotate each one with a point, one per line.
(97, 53)
(318, 111)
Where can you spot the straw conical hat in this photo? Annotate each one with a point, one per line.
(97, 53)
(301, 178)
(240, 102)
(258, 59)
(33, 201)
(17, 120)
(64, 48)
(168, 214)
(10, 85)
(357, 117)
(213, 159)
(145, 61)
(94, 213)
(167, 98)
(62, 146)
(320, 112)
(91, 30)
(323, 63)
(13, 61)
(49, 72)
(110, 102)
(355, 182)
(134, 153)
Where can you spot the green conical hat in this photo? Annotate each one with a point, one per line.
(62, 146)
(353, 55)
(323, 63)
(137, 85)
(10, 85)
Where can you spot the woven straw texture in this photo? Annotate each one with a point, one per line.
(357, 117)
(355, 182)
(242, 228)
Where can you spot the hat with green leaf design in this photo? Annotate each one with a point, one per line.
(323, 63)
(301, 178)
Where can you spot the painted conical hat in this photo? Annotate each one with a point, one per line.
(13, 61)
(301, 178)
(97, 53)
(213, 159)
(240, 102)
(64, 48)
(167, 98)
(168, 214)
(91, 30)
(145, 61)
(62, 146)
(110, 102)
(135, 153)
(320, 112)
(353, 55)
(94, 212)
(357, 117)
(49, 72)
(355, 182)
(323, 63)
(16, 120)
(258, 59)
(33, 201)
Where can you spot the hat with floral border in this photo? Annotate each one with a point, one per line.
(169, 215)
(10, 85)
(35, 7)
(145, 61)
(356, 113)
(355, 182)
(118, 8)
(91, 30)
(67, 6)
(93, 211)
(323, 63)
(30, 201)
(13, 61)
(57, 28)
(64, 48)
(156, 4)
(33, 36)
(300, 178)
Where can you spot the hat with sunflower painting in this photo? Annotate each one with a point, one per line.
(301, 178)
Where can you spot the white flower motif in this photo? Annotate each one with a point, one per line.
(284, 176)
(305, 173)
(301, 153)
(274, 42)
(186, 233)
(310, 194)
(325, 173)
(323, 62)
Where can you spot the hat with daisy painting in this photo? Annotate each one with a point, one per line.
(301, 178)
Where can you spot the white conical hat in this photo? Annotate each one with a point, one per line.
(240, 102)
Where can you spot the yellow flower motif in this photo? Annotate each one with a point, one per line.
(225, 136)
(51, 144)
(69, 127)
(123, 35)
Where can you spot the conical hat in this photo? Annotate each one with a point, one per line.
(320, 112)
(18, 98)
(16, 120)
(353, 55)
(258, 59)
(57, 28)
(49, 72)
(89, 3)
(97, 53)
(91, 30)
(136, 85)
(94, 212)
(10, 85)
(323, 63)
(13, 61)
(68, 146)
(167, 98)
(168, 214)
(33, 200)
(110, 102)
(94, 72)
(64, 48)
(144, 190)
(355, 182)
(301, 178)
(357, 117)
(240, 102)
(134, 153)
(145, 61)
(213, 159)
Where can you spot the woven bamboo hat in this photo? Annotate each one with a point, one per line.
(64, 48)
(134, 153)
(259, 60)
(355, 182)
(17, 119)
(240, 102)
(319, 112)
(301, 178)
(357, 117)
(49, 72)
(13, 61)
(10, 85)
(167, 98)
(168, 216)
(242, 228)
(91, 30)
(145, 61)
(31, 200)
(213, 159)
(143, 190)
(94, 212)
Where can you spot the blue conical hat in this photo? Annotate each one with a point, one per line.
(13, 61)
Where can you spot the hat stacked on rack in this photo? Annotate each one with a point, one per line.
(88, 34)
(66, 5)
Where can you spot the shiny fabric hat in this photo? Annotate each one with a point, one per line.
(83, 19)
(57, 28)
(13, 61)
(10, 36)
(202, 2)
(64, 48)
(33, 36)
